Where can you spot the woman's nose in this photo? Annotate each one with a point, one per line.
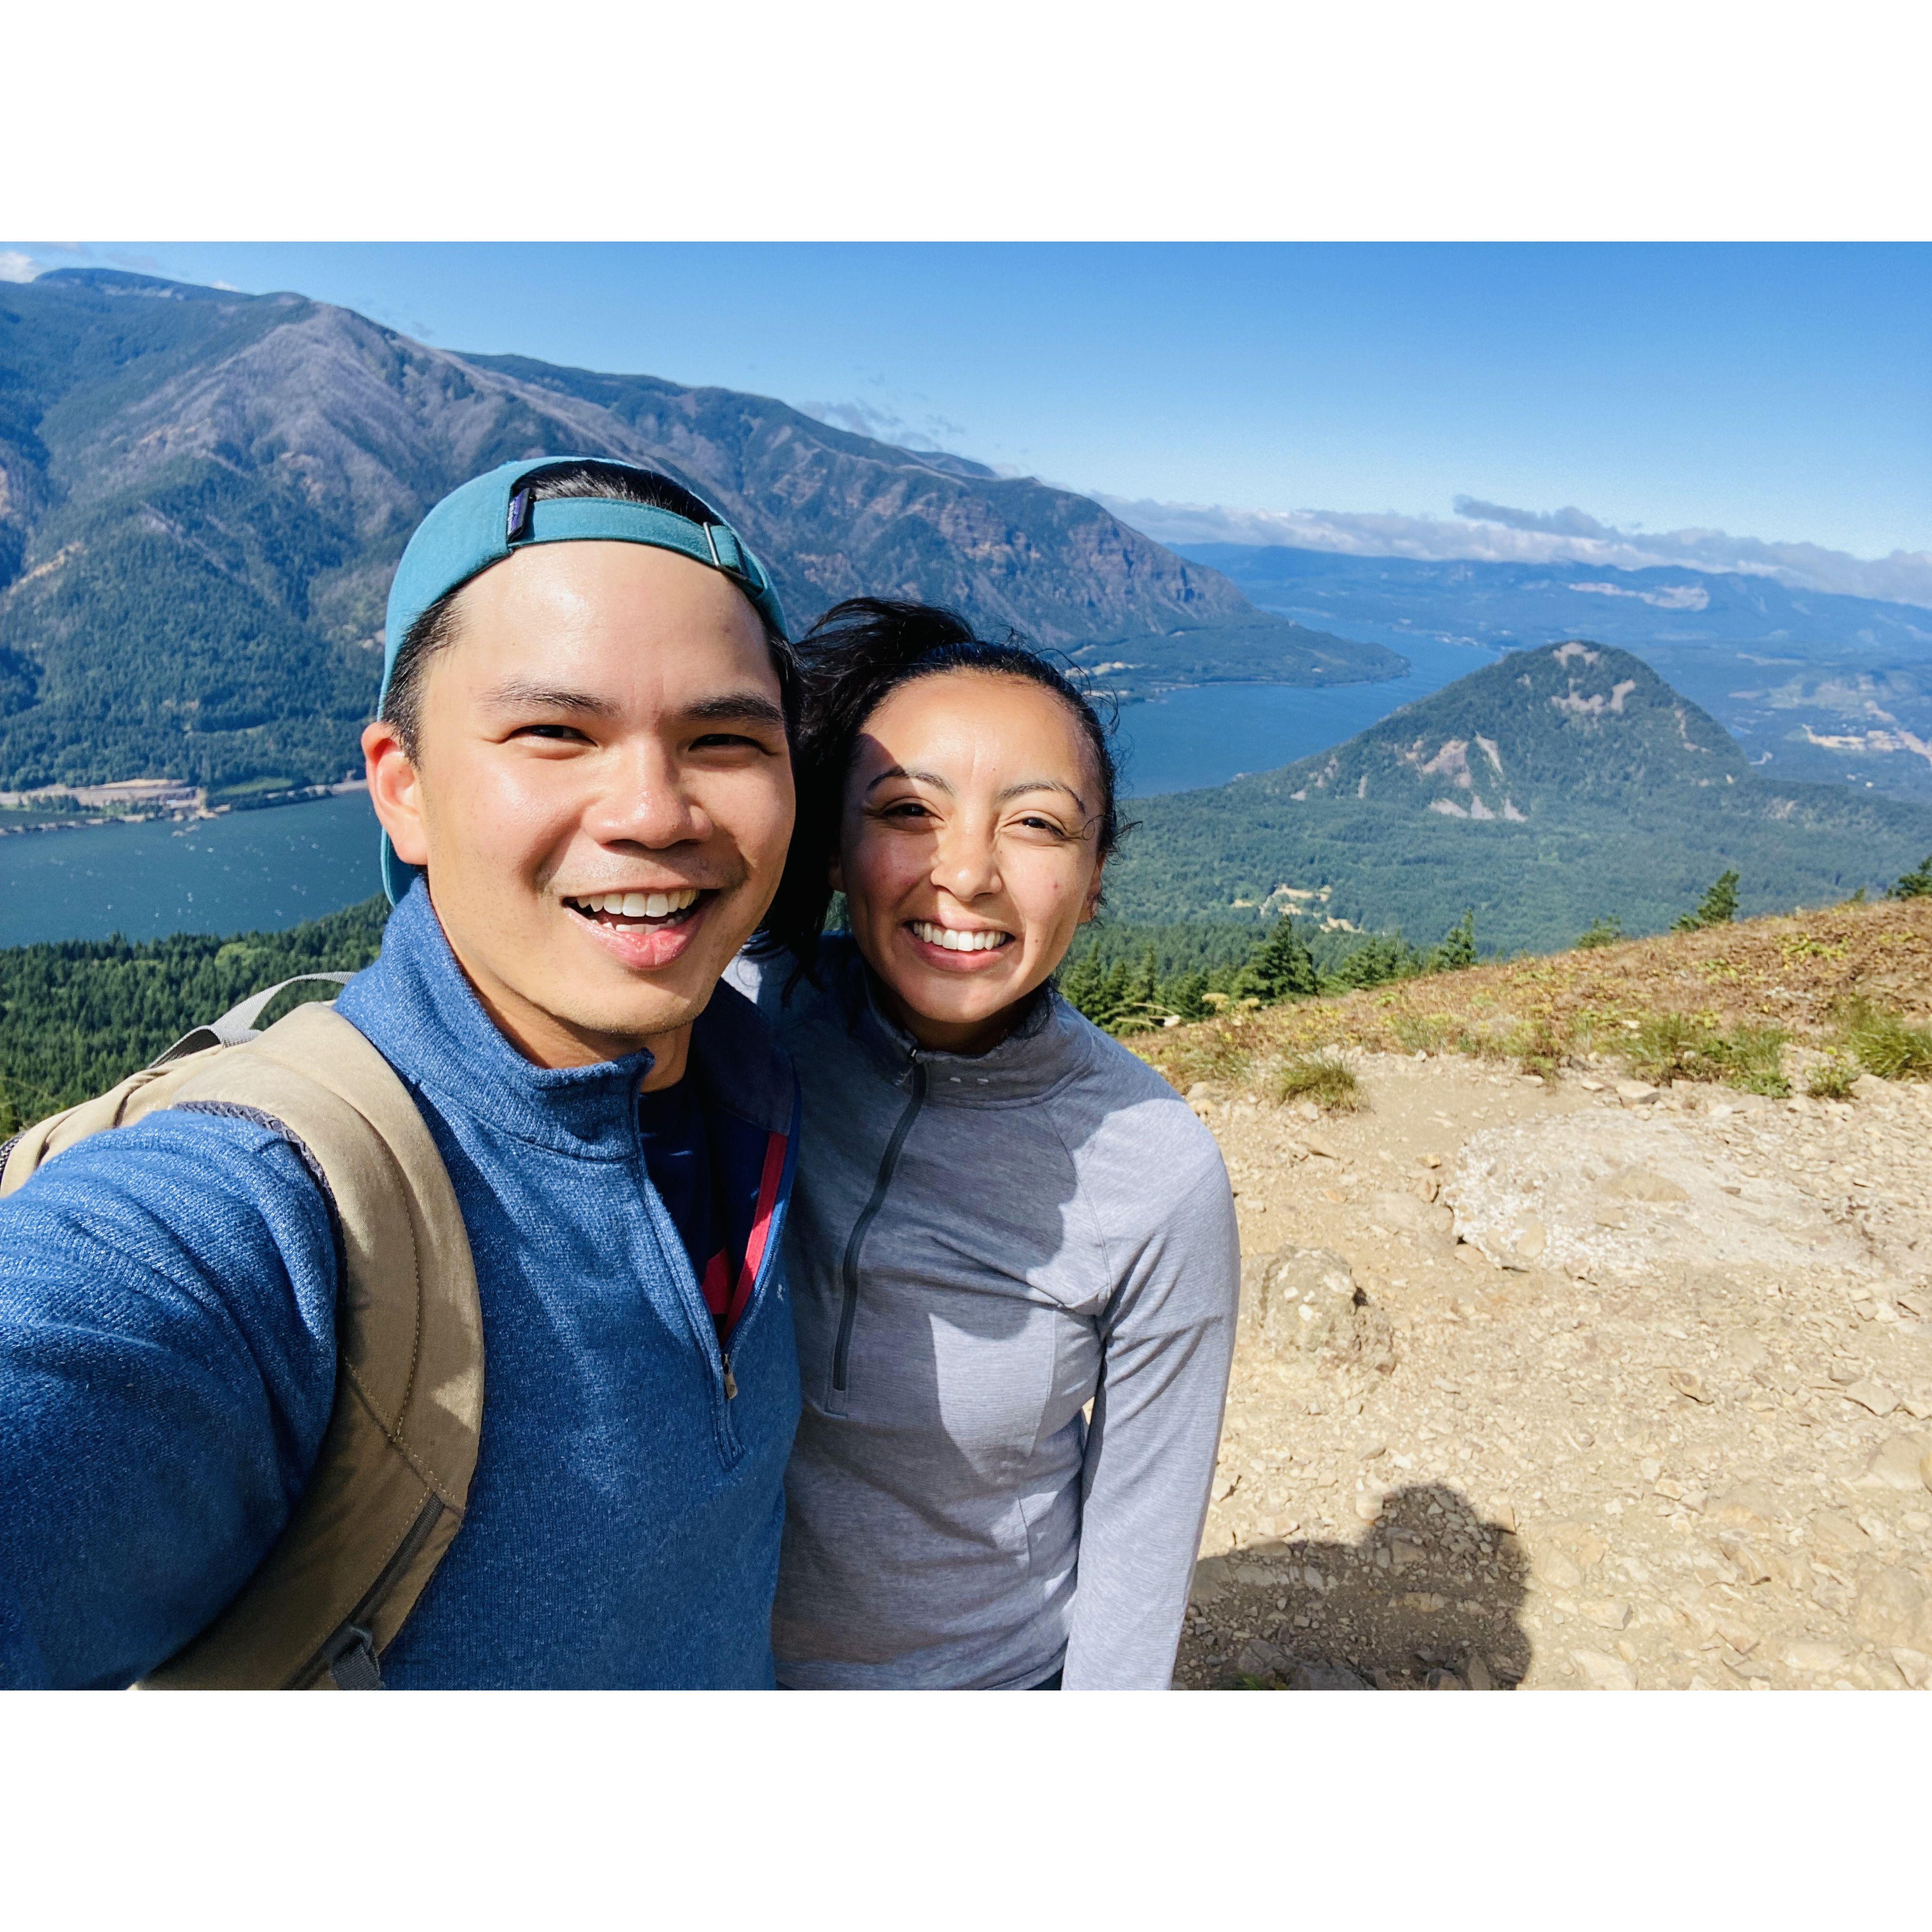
(965, 864)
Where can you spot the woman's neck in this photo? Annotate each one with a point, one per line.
(968, 1039)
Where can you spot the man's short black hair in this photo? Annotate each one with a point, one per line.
(438, 626)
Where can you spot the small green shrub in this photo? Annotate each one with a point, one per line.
(1674, 1046)
(1324, 1078)
(1751, 1058)
(1882, 1043)
(1718, 906)
(1832, 1079)
(1542, 1047)
(1414, 1033)
(1605, 932)
(1665, 1047)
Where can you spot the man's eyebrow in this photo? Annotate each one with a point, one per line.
(518, 694)
(735, 707)
(932, 779)
(728, 707)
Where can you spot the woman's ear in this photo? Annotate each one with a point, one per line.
(1092, 904)
(836, 874)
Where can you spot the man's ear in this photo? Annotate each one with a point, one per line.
(395, 790)
(1092, 902)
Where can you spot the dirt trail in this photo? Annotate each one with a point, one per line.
(1542, 1382)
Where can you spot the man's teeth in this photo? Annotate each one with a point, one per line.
(641, 905)
(955, 941)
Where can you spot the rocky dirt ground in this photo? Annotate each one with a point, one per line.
(1572, 1381)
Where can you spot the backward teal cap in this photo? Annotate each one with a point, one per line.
(491, 515)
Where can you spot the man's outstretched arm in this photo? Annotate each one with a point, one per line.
(167, 1367)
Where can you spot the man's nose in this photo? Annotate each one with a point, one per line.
(649, 804)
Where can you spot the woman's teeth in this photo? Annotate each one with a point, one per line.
(640, 905)
(955, 941)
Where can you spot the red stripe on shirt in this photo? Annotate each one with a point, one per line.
(768, 1180)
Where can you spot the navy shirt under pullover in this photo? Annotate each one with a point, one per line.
(167, 1366)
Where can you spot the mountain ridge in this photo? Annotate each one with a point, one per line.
(202, 495)
(1546, 790)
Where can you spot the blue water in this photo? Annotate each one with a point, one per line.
(262, 870)
(251, 871)
(1212, 733)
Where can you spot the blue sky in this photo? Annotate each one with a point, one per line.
(1782, 393)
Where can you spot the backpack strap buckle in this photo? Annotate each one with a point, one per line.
(354, 1665)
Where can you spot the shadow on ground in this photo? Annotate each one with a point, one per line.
(1427, 1600)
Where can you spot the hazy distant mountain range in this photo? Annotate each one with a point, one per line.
(1551, 788)
(202, 495)
(1815, 685)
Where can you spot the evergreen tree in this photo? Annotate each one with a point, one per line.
(1914, 885)
(1080, 983)
(1110, 996)
(1458, 948)
(1187, 996)
(1718, 906)
(1281, 967)
(1135, 1009)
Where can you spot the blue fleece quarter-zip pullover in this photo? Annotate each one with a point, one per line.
(167, 1366)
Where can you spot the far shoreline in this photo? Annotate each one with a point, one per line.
(200, 815)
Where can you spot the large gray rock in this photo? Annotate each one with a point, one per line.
(1303, 1303)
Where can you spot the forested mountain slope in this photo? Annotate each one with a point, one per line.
(1546, 790)
(203, 496)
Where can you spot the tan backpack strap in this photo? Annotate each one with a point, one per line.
(238, 1023)
(154, 1086)
(139, 1093)
(387, 1494)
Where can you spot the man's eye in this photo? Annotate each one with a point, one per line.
(714, 741)
(560, 733)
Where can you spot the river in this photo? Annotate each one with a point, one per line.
(262, 870)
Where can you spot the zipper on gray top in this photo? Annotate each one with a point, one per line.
(841, 1352)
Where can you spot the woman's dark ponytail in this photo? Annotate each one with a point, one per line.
(854, 657)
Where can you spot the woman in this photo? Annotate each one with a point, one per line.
(1002, 1216)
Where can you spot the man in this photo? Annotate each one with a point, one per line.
(582, 769)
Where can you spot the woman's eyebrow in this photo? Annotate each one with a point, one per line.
(900, 771)
(1042, 784)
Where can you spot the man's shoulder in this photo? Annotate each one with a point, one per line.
(203, 1170)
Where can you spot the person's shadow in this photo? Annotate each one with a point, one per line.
(1426, 1599)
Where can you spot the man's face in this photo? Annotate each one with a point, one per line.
(602, 796)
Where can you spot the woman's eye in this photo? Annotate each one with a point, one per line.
(1044, 825)
(906, 809)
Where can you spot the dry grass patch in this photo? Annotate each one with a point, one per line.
(1744, 991)
(1326, 1078)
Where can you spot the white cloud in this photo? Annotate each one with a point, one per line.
(16, 267)
(1494, 532)
(885, 424)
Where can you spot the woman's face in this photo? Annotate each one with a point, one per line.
(967, 850)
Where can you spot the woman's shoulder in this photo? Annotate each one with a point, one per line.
(1129, 1101)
